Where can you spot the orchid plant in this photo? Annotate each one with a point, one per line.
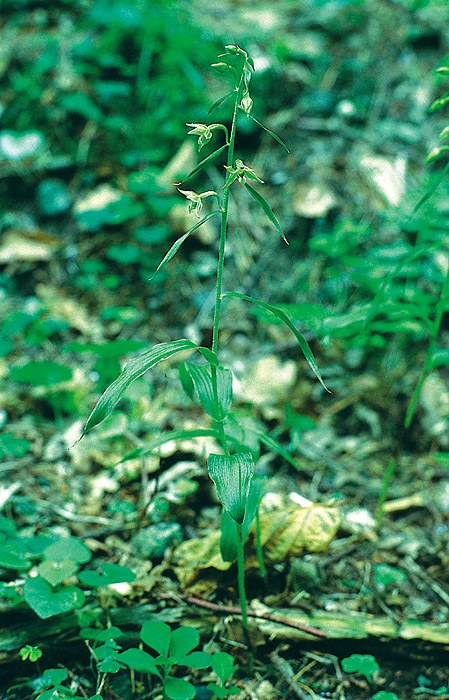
(208, 382)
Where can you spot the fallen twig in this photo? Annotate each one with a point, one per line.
(232, 610)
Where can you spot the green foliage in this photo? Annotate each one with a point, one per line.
(32, 653)
(211, 384)
(57, 560)
(365, 664)
(13, 447)
(41, 373)
(104, 647)
(223, 666)
(232, 475)
(173, 648)
(51, 684)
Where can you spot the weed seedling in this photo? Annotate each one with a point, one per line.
(173, 648)
(209, 383)
(364, 664)
(223, 666)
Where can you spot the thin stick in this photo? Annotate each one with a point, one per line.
(232, 610)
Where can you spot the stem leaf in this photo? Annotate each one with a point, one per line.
(232, 476)
(134, 369)
(178, 243)
(229, 533)
(432, 188)
(266, 208)
(215, 406)
(269, 131)
(303, 344)
(220, 101)
(203, 163)
(182, 434)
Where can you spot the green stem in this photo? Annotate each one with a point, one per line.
(221, 433)
(259, 551)
(241, 575)
(224, 220)
(430, 350)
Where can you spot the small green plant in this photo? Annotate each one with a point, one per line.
(385, 695)
(31, 653)
(365, 664)
(223, 666)
(209, 383)
(175, 648)
(57, 559)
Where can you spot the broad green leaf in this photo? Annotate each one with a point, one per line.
(178, 243)
(134, 369)
(195, 660)
(183, 640)
(179, 689)
(68, 548)
(162, 439)
(202, 376)
(206, 161)
(109, 573)
(138, 660)
(365, 664)
(46, 602)
(266, 208)
(156, 634)
(232, 477)
(12, 446)
(220, 101)
(54, 676)
(41, 373)
(55, 572)
(303, 344)
(223, 665)
(11, 557)
(272, 133)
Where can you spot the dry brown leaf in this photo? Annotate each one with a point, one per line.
(285, 533)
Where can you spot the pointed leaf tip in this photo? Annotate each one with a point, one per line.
(134, 369)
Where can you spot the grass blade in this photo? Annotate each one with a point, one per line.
(134, 369)
(303, 344)
(178, 243)
(266, 207)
